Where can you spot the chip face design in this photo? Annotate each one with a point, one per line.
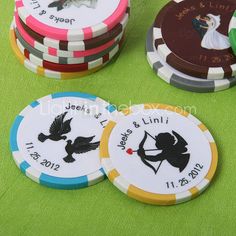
(70, 14)
(55, 141)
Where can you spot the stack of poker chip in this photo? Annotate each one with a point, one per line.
(66, 39)
(190, 45)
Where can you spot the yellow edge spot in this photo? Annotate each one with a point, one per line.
(214, 162)
(104, 152)
(40, 71)
(126, 112)
(112, 175)
(148, 106)
(202, 127)
(151, 198)
(16, 50)
(194, 191)
(166, 107)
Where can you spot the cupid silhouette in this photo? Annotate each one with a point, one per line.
(172, 151)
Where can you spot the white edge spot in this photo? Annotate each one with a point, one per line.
(215, 73)
(183, 197)
(121, 184)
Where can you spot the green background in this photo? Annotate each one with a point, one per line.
(27, 208)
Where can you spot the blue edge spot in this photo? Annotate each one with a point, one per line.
(13, 136)
(111, 108)
(15, 127)
(74, 94)
(63, 183)
(13, 141)
(24, 166)
(34, 104)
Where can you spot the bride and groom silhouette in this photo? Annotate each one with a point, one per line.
(207, 27)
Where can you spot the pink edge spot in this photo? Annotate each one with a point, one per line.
(88, 34)
(52, 51)
(117, 16)
(18, 4)
(22, 32)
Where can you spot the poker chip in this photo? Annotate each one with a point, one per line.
(64, 60)
(55, 140)
(158, 154)
(71, 20)
(232, 32)
(69, 67)
(192, 37)
(79, 45)
(42, 71)
(179, 79)
(79, 57)
(59, 53)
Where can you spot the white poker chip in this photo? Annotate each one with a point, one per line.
(55, 140)
(158, 154)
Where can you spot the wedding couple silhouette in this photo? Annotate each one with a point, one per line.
(207, 26)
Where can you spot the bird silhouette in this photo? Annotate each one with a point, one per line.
(80, 145)
(57, 129)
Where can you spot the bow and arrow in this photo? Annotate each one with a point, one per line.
(172, 151)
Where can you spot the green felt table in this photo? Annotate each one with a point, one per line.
(27, 208)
